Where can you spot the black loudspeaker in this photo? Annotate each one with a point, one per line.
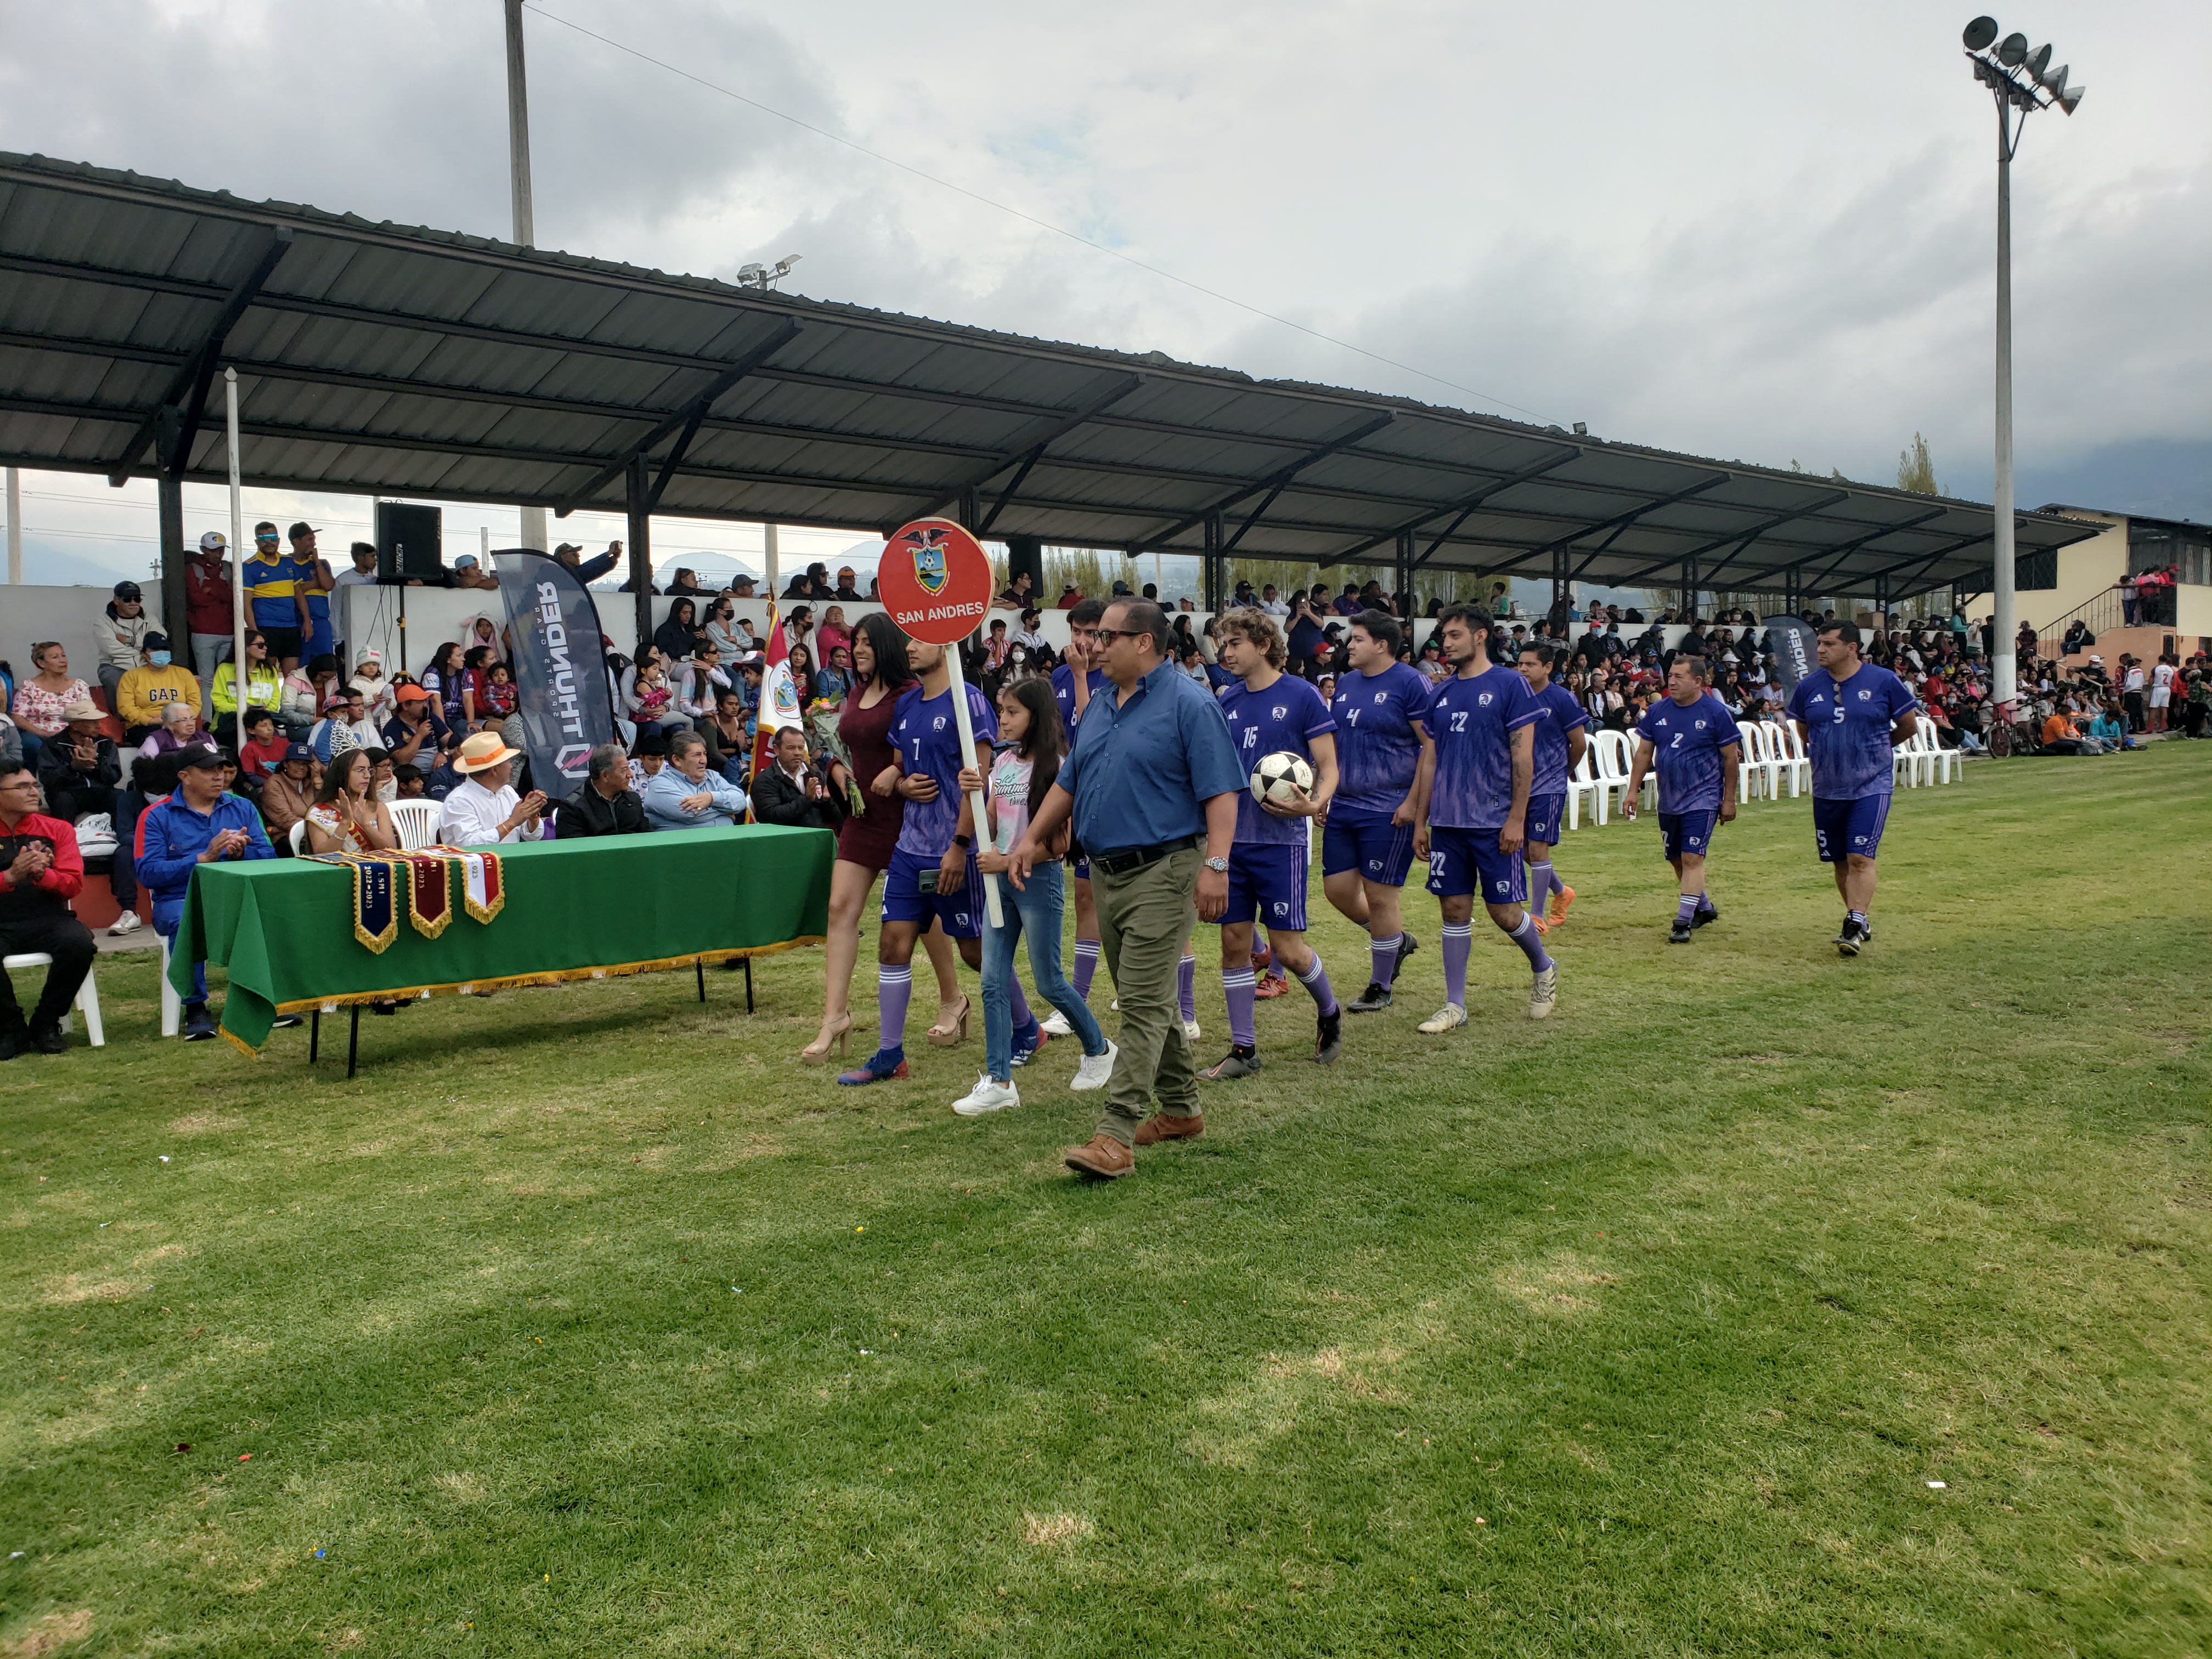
(409, 541)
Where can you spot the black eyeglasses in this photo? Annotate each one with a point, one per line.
(1108, 635)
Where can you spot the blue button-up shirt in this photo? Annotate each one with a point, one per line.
(1142, 771)
(665, 795)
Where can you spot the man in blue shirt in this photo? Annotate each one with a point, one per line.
(1851, 716)
(1474, 809)
(932, 876)
(1270, 713)
(1151, 778)
(1367, 838)
(1693, 739)
(1562, 736)
(198, 824)
(687, 794)
(1075, 681)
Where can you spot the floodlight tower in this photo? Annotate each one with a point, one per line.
(2021, 80)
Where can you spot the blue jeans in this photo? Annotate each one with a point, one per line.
(167, 913)
(1037, 909)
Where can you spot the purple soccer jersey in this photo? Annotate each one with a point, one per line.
(1473, 722)
(1284, 718)
(1377, 750)
(1063, 693)
(1687, 745)
(1847, 729)
(1562, 715)
(927, 739)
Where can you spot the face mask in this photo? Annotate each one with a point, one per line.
(159, 659)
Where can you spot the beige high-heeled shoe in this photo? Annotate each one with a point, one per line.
(832, 1036)
(943, 1036)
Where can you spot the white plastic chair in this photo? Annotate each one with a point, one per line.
(299, 837)
(173, 1006)
(1612, 771)
(419, 822)
(1942, 763)
(1754, 769)
(1790, 758)
(1583, 782)
(88, 994)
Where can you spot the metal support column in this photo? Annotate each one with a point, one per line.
(1882, 601)
(2004, 664)
(638, 481)
(1690, 587)
(1210, 575)
(169, 502)
(1405, 582)
(1560, 565)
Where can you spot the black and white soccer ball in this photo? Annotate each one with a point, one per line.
(1281, 777)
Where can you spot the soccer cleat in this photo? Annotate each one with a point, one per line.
(1678, 934)
(1094, 1070)
(1263, 958)
(1710, 913)
(1561, 898)
(1024, 1056)
(1190, 1031)
(1269, 989)
(1239, 1061)
(1536, 922)
(989, 1095)
(1372, 1000)
(880, 1068)
(1450, 1017)
(1057, 1025)
(1406, 945)
(1851, 940)
(1328, 1037)
(1544, 993)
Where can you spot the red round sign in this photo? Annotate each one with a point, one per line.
(934, 581)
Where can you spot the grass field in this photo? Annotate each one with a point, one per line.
(586, 1322)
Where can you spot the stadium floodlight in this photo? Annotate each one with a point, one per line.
(2024, 81)
(783, 265)
(751, 273)
(767, 276)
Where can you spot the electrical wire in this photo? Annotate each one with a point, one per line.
(1031, 218)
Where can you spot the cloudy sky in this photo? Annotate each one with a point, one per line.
(1739, 230)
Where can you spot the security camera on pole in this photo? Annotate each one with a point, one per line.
(2021, 80)
(935, 581)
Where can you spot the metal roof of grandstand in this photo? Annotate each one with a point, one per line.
(380, 359)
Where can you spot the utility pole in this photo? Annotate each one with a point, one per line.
(518, 164)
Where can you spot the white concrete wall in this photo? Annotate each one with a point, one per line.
(2085, 570)
(29, 614)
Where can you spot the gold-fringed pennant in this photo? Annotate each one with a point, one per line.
(430, 893)
(481, 890)
(375, 912)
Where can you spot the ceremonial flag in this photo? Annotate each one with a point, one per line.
(782, 700)
(563, 705)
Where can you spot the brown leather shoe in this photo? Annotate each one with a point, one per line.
(1160, 1127)
(1103, 1157)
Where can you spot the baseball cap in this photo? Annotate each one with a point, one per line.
(128, 591)
(466, 561)
(412, 694)
(156, 641)
(298, 751)
(212, 541)
(566, 547)
(303, 528)
(198, 757)
(336, 700)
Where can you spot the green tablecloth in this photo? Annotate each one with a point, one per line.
(283, 927)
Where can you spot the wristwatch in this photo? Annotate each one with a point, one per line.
(962, 843)
(1219, 866)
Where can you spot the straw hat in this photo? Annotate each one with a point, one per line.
(482, 750)
(82, 709)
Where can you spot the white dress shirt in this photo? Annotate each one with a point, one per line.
(474, 813)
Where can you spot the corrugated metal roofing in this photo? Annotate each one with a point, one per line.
(377, 359)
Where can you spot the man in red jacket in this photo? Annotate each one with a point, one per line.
(40, 872)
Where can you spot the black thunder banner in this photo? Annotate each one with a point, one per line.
(562, 708)
(1791, 639)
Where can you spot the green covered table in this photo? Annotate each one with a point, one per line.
(573, 909)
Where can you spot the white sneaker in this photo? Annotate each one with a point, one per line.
(128, 922)
(1544, 993)
(988, 1095)
(1190, 1031)
(1450, 1017)
(1095, 1070)
(1057, 1025)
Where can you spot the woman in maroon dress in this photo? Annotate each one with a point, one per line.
(865, 844)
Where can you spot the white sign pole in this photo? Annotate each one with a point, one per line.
(981, 806)
(240, 682)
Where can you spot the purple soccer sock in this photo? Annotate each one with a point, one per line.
(1017, 1006)
(1459, 941)
(1316, 980)
(1531, 942)
(1382, 958)
(894, 987)
(1237, 986)
(1187, 986)
(1685, 908)
(1543, 881)
(1086, 963)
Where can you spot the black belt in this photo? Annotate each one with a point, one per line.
(1120, 861)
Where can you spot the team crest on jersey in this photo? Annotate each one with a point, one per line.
(1484, 699)
(1865, 696)
(1280, 712)
(1701, 726)
(1381, 696)
(938, 724)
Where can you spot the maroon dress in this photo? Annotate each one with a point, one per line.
(867, 839)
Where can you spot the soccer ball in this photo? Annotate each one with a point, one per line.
(1280, 777)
